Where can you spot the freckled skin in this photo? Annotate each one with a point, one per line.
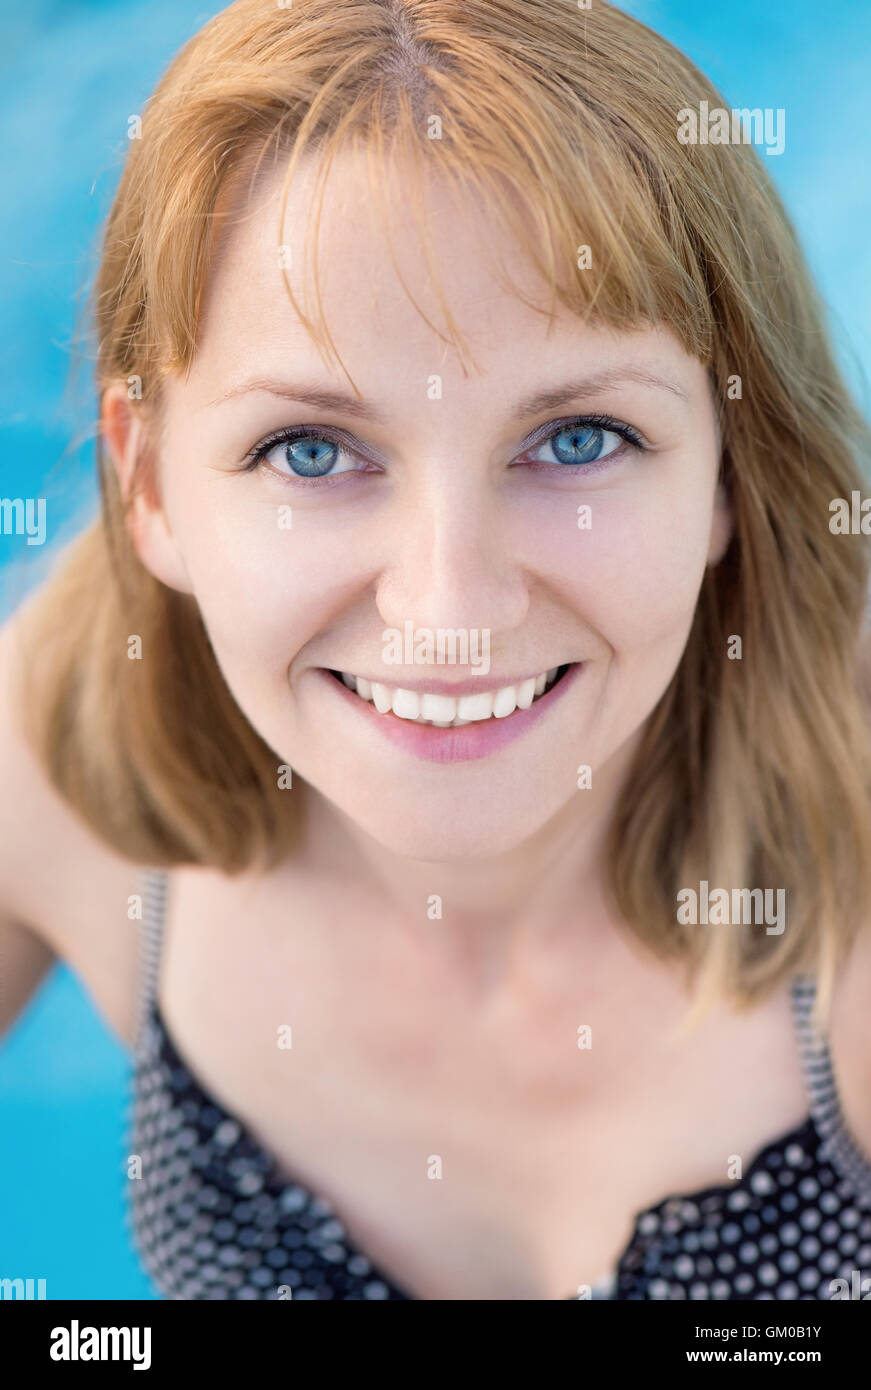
(450, 531)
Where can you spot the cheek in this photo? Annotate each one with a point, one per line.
(264, 588)
(633, 580)
(634, 577)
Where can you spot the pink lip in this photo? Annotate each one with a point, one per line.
(469, 741)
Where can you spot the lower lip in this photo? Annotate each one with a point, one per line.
(459, 745)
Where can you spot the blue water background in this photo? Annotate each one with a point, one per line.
(72, 75)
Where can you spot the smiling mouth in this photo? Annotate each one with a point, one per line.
(452, 712)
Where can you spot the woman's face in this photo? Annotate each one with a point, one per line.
(440, 502)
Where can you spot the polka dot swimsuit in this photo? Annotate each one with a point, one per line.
(213, 1218)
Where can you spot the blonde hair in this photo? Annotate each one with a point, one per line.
(752, 771)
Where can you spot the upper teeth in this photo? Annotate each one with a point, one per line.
(445, 710)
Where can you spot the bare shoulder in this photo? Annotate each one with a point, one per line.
(850, 1039)
(58, 882)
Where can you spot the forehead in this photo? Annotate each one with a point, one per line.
(386, 312)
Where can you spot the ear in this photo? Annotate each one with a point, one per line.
(123, 431)
(722, 525)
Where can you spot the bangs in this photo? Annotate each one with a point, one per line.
(595, 211)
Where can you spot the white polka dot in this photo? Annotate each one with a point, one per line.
(762, 1183)
(737, 1201)
(226, 1133)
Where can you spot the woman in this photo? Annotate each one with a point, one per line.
(425, 341)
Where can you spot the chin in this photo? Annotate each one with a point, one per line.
(413, 833)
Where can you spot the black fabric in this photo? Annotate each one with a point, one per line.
(214, 1220)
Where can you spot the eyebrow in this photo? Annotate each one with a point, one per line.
(606, 380)
(551, 398)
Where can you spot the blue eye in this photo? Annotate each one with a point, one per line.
(587, 442)
(303, 454)
(312, 456)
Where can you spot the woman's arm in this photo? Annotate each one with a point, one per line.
(63, 894)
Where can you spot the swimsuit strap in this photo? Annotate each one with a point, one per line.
(154, 883)
(839, 1147)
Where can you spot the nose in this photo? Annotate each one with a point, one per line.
(454, 562)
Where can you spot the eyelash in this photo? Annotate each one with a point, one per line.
(255, 457)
